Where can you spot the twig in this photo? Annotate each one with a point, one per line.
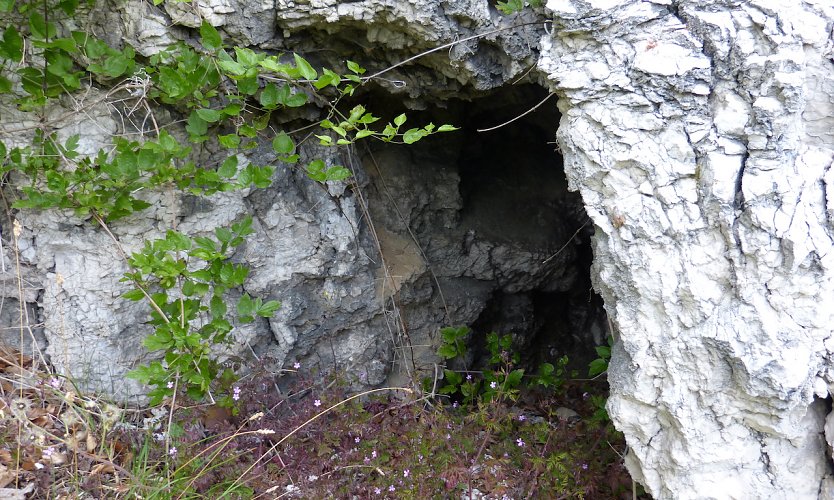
(522, 115)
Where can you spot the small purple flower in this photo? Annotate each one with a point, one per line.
(420, 457)
(448, 437)
(406, 473)
(173, 451)
(367, 460)
(357, 440)
(317, 403)
(377, 491)
(493, 384)
(373, 454)
(170, 384)
(584, 466)
(236, 395)
(468, 376)
(55, 382)
(392, 489)
(519, 442)
(296, 365)
(585, 395)
(522, 418)
(455, 404)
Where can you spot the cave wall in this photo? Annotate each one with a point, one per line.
(699, 135)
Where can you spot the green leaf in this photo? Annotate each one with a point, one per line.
(337, 173)
(283, 144)
(12, 46)
(355, 67)
(413, 135)
(447, 351)
(248, 85)
(304, 68)
(158, 341)
(229, 167)
(230, 141)
(209, 115)
(269, 97)
(296, 100)
(134, 295)
(316, 170)
(596, 367)
(269, 308)
(603, 351)
(232, 67)
(195, 126)
(209, 36)
(514, 378)
(447, 128)
(399, 120)
(40, 29)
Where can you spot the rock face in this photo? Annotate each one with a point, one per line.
(699, 136)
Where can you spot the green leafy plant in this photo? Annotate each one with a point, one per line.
(188, 282)
(513, 6)
(600, 365)
(502, 379)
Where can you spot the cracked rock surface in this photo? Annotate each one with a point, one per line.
(698, 134)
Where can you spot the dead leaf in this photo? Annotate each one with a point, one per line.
(105, 468)
(6, 476)
(92, 444)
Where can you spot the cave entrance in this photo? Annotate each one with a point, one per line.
(503, 238)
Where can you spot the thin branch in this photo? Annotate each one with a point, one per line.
(522, 115)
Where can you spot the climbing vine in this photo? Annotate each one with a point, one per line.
(228, 96)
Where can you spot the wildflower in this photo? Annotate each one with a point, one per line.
(584, 466)
(236, 395)
(468, 376)
(392, 489)
(173, 451)
(377, 491)
(455, 404)
(317, 403)
(296, 365)
(357, 440)
(585, 395)
(55, 382)
(170, 384)
(406, 473)
(420, 457)
(367, 460)
(373, 454)
(493, 384)
(522, 418)
(519, 442)
(448, 437)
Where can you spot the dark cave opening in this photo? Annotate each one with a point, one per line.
(509, 243)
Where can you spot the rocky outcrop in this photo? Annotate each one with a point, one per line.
(698, 134)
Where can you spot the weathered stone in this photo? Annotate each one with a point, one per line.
(698, 134)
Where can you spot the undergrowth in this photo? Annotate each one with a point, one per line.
(289, 436)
